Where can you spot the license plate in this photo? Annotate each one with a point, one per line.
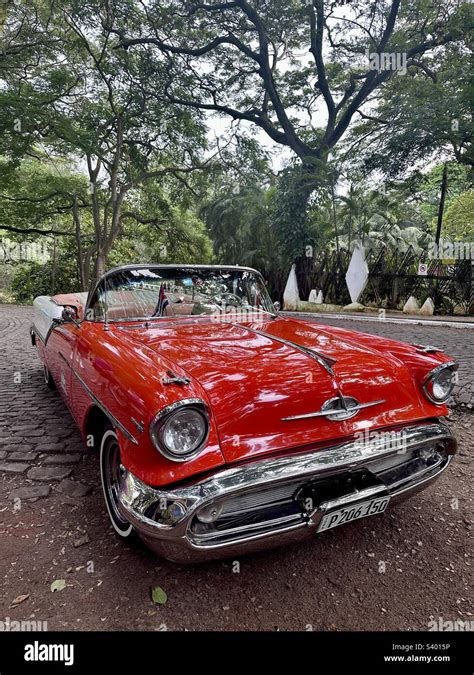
(354, 512)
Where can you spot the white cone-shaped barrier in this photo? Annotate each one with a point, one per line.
(411, 306)
(427, 307)
(313, 296)
(320, 298)
(357, 273)
(291, 296)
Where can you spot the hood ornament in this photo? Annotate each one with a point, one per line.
(428, 349)
(175, 379)
(336, 409)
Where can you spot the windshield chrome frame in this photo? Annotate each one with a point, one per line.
(168, 266)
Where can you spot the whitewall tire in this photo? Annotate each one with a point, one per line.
(110, 472)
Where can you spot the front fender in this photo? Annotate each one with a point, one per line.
(126, 382)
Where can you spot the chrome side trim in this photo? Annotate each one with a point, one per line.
(100, 405)
(50, 330)
(325, 361)
(327, 413)
(34, 331)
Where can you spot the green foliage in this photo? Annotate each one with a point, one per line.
(38, 194)
(109, 141)
(173, 231)
(179, 236)
(86, 101)
(32, 279)
(422, 116)
(420, 194)
(458, 222)
(238, 224)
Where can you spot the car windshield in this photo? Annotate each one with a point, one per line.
(157, 292)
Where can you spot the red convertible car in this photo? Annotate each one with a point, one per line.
(224, 427)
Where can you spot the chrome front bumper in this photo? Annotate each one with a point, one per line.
(262, 498)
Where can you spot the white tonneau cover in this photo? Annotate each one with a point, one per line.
(45, 310)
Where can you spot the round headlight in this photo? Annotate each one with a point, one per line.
(439, 384)
(443, 385)
(184, 431)
(179, 433)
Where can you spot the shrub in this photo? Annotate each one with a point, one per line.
(32, 279)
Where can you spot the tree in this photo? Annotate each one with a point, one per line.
(32, 278)
(174, 232)
(92, 103)
(298, 71)
(238, 222)
(458, 221)
(42, 199)
(241, 58)
(423, 116)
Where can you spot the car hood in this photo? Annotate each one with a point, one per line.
(254, 378)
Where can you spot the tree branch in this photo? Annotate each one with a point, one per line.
(379, 120)
(188, 51)
(301, 148)
(316, 20)
(35, 230)
(141, 219)
(373, 79)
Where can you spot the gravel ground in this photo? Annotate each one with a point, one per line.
(398, 571)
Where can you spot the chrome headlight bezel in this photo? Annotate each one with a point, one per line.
(157, 426)
(430, 379)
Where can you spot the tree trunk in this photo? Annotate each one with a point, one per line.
(100, 264)
(80, 259)
(296, 186)
(334, 217)
(444, 185)
(53, 278)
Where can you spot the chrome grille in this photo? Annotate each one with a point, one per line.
(255, 499)
(269, 509)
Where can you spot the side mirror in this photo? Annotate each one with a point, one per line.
(277, 305)
(69, 315)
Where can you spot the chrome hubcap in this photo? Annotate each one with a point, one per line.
(113, 473)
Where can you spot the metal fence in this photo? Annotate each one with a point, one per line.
(394, 276)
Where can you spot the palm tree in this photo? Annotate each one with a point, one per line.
(375, 219)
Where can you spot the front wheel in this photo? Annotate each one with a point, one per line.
(111, 472)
